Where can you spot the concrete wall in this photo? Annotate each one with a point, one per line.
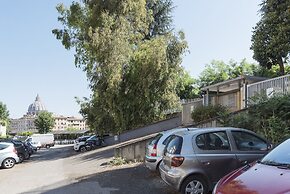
(133, 150)
(144, 131)
(187, 108)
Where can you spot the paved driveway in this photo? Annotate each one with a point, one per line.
(61, 170)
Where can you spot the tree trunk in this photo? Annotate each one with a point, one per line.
(281, 65)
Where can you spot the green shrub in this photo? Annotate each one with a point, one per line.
(118, 161)
(203, 113)
(275, 129)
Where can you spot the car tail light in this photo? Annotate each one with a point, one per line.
(14, 150)
(177, 161)
(154, 151)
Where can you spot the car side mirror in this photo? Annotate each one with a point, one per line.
(270, 146)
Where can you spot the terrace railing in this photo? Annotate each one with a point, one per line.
(279, 85)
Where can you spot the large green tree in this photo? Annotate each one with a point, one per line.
(44, 122)
(218, 71)
(4, 114)
(131, 58)
(187, 87)
(271, 36)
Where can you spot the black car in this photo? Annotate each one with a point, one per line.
(22, 151)
(93, 142)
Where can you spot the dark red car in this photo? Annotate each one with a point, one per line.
(271, 175)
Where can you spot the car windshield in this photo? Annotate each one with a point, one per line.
(280, 156)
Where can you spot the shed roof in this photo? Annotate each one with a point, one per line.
(233, 84)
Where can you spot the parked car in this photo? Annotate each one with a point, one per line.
(8, 155)
(21, 149)
(155, 148)
(35, 144)
(93, 142)
(80, 143)
(29, 147)
(195, 160)
(270, 175)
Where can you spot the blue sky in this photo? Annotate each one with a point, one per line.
(33, 62)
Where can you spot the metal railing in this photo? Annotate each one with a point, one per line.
(279, 85)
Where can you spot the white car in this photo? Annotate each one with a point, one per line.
(8, 155)
(79, 143)
(155, 148)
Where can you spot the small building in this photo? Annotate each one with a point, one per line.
(231, 93)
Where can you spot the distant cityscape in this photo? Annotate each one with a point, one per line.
(62, 123)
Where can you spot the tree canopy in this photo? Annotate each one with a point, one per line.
(131, 57)
(4, 113)
(44, 122)
(271, 36)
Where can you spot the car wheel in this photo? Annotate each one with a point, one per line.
(8, 163)
(47, 146)
(82, 149)
(194, 184)
(88, 148)
(21, 157)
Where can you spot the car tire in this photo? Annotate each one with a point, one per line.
(82, 149)
(47, 146)
(89, 148)
(194, 184)
(8, 163)
(21, 158)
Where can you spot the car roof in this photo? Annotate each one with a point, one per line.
(6, 143)
(208, 129)
(176, 130)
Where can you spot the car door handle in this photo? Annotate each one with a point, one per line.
(206, 163)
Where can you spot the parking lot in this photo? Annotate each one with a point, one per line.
(61, 170)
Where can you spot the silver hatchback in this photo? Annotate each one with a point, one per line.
(155, 147)
(8, 155)
(194, 161)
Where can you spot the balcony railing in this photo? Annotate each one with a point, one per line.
(279, 85)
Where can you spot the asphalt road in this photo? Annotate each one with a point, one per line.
(60, 170)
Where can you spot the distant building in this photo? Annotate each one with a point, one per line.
(63, 123)
(26, 123)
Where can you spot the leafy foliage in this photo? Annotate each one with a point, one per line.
(203, 113)
(4, 114)
(44, 122)
(270, 39)
(187, 87)
(26, 133)
(131, 58)
(268, 117)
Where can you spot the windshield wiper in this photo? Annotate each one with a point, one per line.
(277, 164)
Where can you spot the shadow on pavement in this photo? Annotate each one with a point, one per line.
(127, 179)
(53, 153)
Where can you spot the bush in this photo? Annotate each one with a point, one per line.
(118, 161)
(203, 113)
(275, 129)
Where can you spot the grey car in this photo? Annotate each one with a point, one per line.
(194, 161)
(8, 155)
(155, 148)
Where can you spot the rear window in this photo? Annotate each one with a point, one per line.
(174, 145)
(2, 146)
(155, 139)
